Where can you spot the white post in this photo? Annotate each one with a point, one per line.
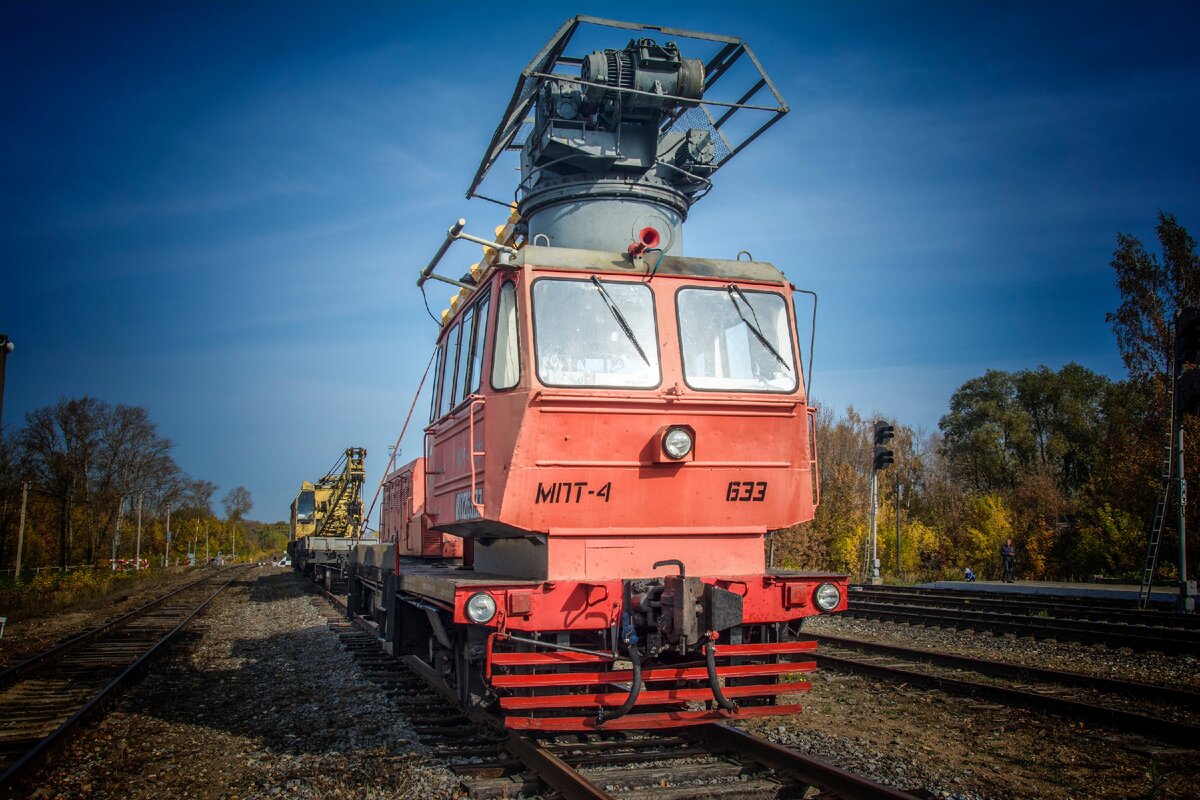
(874, 532)
(167, 549)
(21, 529)
(137, 555)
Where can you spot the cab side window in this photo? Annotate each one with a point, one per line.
(460, 359)
(434, 392)
(506, 353)
(472, 347)
(446, 398)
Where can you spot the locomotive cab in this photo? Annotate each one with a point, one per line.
(601, 378)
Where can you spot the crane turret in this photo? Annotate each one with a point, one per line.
(617, 144)
(333, 505)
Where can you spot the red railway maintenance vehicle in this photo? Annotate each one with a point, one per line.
(615, 426)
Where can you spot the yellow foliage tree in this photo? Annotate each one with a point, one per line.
(990, 524)
(846, 548)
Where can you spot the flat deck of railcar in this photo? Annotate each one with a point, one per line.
(1164, 595)
(440, 580)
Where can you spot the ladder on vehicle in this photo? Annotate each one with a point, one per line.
(1154, 543)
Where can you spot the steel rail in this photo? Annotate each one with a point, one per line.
(551, 769)
(1110, 633)
(557, 774)
(1057, 599)
(12, 673)
(806, 769)
(95, 702)
(1156, 727)
(1052, 605)
(1004, 669)
(718, 738)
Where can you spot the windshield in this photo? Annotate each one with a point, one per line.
(595, 333)
(304, 506)
(736, 340)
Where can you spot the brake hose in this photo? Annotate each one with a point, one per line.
(710, 661)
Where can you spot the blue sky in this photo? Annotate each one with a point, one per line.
(218, 210)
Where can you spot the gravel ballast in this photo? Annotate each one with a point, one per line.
(267, 704)
(959, 747)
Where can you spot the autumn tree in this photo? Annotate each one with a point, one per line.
(87, 456)
(1153, 288)
(62, 442)
(237, 503)
(132, 459)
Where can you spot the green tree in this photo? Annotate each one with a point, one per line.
(1152, 290)
(1003, 427)
(987, 435)
(1153, 287)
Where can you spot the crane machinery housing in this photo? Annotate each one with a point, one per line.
(327, 518)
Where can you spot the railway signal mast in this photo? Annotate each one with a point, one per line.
(881, 458)
(1187, 401)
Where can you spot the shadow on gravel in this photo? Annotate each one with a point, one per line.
(272, 671)
(276, 585)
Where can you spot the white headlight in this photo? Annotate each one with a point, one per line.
(828, 597)
(481, 608)
(677, 443)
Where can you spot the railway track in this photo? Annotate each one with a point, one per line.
(1058, 606)
(1174, 716)
(47, 697)
(1042, 619)
(717, 761)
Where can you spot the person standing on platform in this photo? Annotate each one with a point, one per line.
(1008, 558)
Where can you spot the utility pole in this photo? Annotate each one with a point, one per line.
(897, 523)
(117, 533)
(1187, 591)
(1187, 402)
(21, 528)
(137, 555)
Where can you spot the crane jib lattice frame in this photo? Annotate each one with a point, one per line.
(515, 120)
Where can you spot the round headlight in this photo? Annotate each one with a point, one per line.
(481, 608)
(828, 597)
(677, 443)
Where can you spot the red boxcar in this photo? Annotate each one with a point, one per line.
(402, 512)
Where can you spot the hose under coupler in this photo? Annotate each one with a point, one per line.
(635, 685)
(710, 661)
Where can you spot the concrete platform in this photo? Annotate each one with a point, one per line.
(1100, 591)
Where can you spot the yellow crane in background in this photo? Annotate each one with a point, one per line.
(327, 518)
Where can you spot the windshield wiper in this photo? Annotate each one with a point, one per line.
(735, 291)
(620, 318)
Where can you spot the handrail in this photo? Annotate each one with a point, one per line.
(476, 400)
(811, 411)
